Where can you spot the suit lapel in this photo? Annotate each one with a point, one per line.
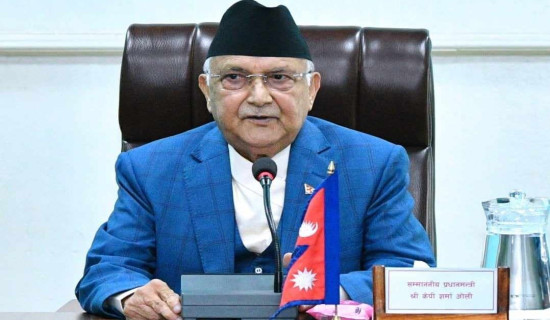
(310, 156)
(209, 193)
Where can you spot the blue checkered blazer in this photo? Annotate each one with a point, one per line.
(175, 214)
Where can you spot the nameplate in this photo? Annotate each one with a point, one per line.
(443, 291)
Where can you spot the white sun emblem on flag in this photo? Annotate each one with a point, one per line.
(304, 279)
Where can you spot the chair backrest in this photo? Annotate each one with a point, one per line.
(377, 81)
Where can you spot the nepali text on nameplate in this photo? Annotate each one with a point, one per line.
(444, 291)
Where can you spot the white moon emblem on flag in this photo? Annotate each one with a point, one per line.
(307, 229)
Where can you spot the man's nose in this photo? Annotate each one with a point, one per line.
(259, 94)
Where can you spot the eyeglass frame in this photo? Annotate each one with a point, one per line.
(265, 77)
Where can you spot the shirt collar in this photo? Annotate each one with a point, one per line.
(241, 168)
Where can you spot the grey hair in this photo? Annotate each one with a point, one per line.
(310, 67)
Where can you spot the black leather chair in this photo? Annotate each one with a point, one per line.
(377, 81)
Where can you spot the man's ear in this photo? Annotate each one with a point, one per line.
(203, 85)
(314, 87)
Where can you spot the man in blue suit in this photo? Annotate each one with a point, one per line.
(188, 203)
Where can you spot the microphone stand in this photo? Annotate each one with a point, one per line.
(278, 277)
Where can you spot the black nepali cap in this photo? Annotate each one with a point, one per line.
(248, 28)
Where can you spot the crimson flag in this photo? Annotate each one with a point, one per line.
(314, 271)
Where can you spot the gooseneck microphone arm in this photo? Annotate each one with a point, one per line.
(264, 170)
(277, 283)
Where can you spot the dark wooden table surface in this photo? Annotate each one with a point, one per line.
(47, 316)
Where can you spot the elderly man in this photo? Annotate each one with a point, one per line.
(189, 204)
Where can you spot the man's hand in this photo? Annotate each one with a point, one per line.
(153, 301)
(286, 259)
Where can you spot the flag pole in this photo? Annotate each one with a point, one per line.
(330, 170)
(336, 316)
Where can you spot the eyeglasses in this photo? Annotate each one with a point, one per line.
(279, 80)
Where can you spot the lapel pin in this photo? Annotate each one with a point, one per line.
(331, 168)
(308, 189)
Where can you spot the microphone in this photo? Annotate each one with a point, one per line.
(264, 170)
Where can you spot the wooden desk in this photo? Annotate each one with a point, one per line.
(71, 306)
(74, 316)
(514, 315)
(72, 311)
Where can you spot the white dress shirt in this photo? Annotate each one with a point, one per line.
(248, 199)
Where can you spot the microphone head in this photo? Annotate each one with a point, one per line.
(264, 166)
